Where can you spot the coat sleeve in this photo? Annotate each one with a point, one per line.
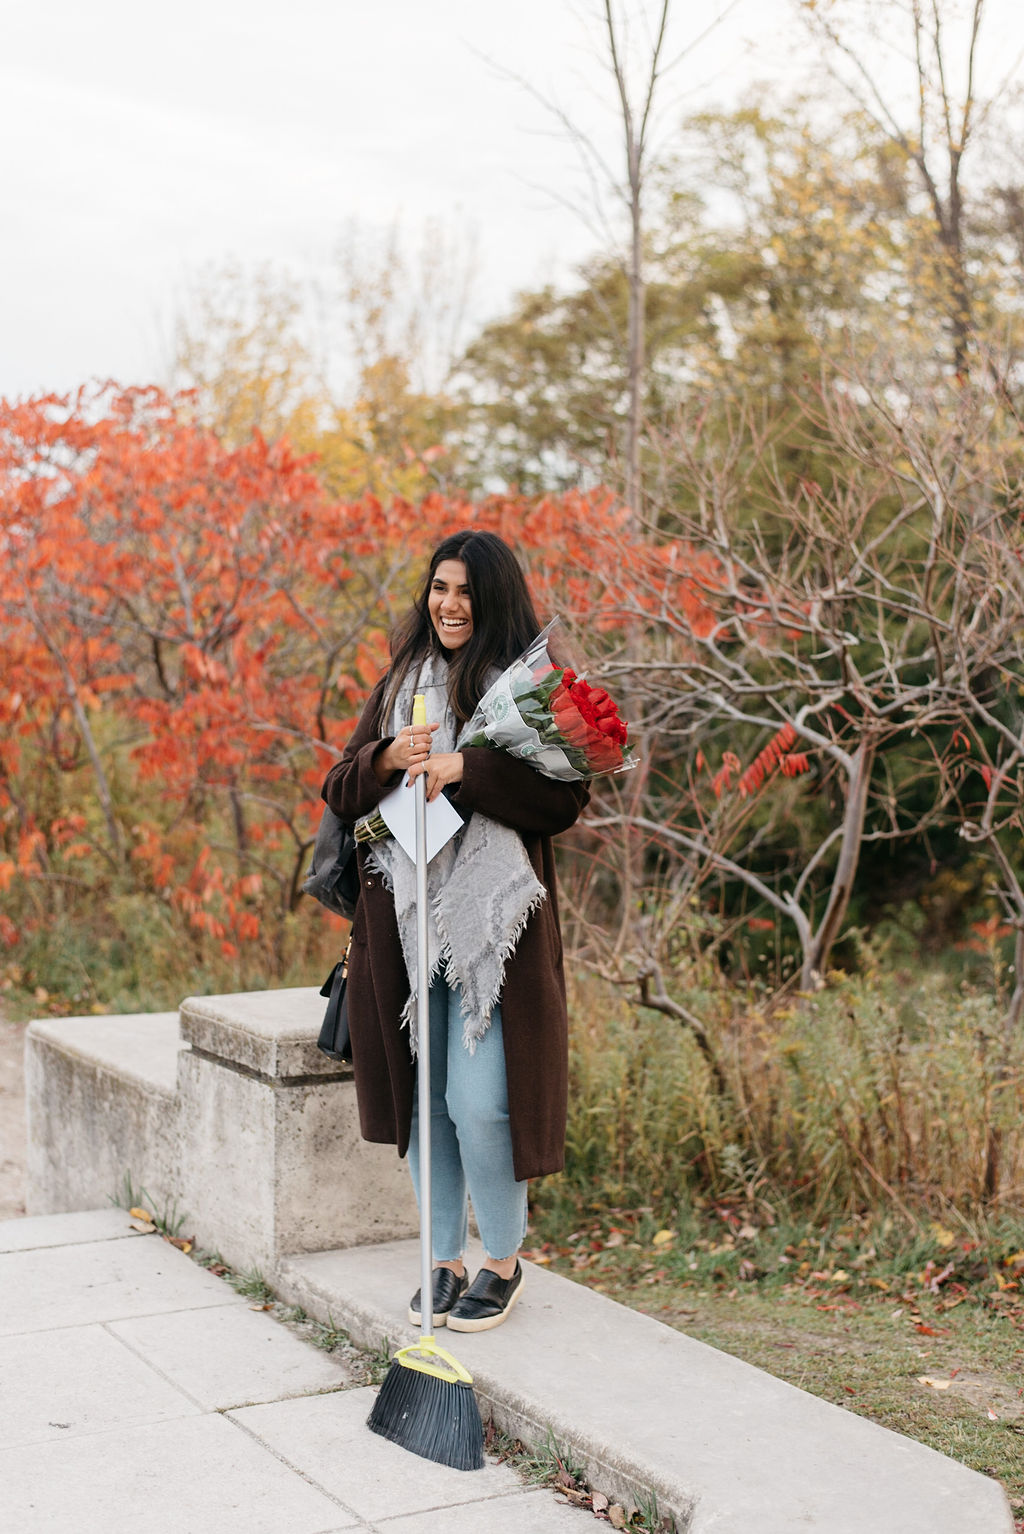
(511, 791)
(352, 788)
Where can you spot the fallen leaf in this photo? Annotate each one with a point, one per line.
(617, 1516)
(943, 1237)
(145, 1226)
(993, 1416)
(663, 1237)
(599, 1502)
(261, 1307)
(936, 1384)
(140, 1214)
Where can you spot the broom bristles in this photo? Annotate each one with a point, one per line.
(434, 1418)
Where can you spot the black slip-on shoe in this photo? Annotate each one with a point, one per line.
(448, 1287)
(486, 1302)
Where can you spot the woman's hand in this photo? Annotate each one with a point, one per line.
(442, 769)
(410, 748)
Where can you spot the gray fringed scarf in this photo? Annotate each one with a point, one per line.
(481, 887)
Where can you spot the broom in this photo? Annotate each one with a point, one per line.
(426, 1403)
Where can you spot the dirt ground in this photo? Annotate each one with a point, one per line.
(12, 1119)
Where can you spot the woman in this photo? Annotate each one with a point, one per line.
(498, 1029)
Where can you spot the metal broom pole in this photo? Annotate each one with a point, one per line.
(426, 1403)
(419, 716)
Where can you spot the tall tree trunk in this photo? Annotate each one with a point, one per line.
(1014, 896)
(635, 338)
(635, 128)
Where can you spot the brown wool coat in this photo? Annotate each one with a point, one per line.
(533, 1012)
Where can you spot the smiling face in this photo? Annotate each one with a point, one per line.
(449, 606)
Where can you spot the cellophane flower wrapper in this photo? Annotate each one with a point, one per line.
(545, 713)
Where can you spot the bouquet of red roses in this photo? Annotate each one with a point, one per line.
(551, 717)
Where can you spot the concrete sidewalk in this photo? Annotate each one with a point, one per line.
(141, 1395)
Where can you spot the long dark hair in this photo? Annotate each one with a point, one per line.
(504, 622)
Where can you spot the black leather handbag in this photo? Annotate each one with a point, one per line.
(334, 1037)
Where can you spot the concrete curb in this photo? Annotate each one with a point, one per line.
(724, 1447)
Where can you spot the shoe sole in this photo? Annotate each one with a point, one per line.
(485, 1323)
(414, 1317)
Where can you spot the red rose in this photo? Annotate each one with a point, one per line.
(567, 717)
(587, 719)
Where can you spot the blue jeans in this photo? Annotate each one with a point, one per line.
(470, 1139)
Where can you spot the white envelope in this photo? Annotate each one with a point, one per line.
(398, 810)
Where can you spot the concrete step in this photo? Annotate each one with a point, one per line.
(141, 1047)
(100, 1099)
(725, 1448)
(227, 1113)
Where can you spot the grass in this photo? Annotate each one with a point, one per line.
(889, 1089)
(251, 1285)
(920, 1330)
(167, 1220)
(120, 951)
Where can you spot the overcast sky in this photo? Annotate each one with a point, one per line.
(139, 142)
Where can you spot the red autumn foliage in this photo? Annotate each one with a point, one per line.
(775, 754)
(722, 780)
(187, 631)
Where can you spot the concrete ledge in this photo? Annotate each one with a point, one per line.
(235, 1118)
(100, 1101)
(141, 1047)
(271, 1033)
(726, 1448)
